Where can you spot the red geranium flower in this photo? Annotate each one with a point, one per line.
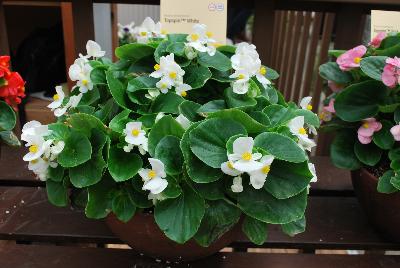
(13, 90)
(4, 66)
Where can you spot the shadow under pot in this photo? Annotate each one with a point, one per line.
(382, 210)
(144, 236)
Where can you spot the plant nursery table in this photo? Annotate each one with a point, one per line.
(33, 233)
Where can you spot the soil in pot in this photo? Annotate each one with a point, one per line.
(144, 236)
(383, 210)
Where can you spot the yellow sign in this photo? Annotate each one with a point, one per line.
(179, 16)
(388, 21)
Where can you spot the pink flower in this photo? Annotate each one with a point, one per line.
(376, 42)
(367, 129)
(334, 87)
(330, 108)
(351, 58)
(395, 132)
(391, 72)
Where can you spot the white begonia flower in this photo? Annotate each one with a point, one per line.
(182, 89)
(200, 39)
(144, 147)
(134, 133)
(54, 150)
(305, 103)
(247, 64)
(258, 177)
(155, 197)
(34, 128)
(58, 98)
(85, 83)
(190, 53)
(72, 103)
(125, 29)
(243, 158)
(154, 178)
(39, 167)
(183, 121)
(227, 168)
(127, 148)
(148, 29)
(169, 71)
(237, 186)
(296, 126)
(37, 147)
(311, 167)
(93, 49)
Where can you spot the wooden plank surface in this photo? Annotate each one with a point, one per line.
(332, 223)
(23, 256)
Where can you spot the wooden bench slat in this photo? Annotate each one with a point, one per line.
(22, 256)
(333, 222)
(14, 171)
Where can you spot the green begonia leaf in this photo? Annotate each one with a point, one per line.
(255, 230)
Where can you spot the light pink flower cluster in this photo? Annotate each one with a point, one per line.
(367, 130)
(395, 132)
(327, 111)
(377, 40)
(391, 72)
(351, 58)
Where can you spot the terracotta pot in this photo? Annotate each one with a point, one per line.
(144, 236)
(383, 210)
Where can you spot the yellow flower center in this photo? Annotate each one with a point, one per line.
(266, 169)
(263, 70)
(365, 125)
(357, 60)
(85, 82)
(151, 174)
(240, 76)
(33, 148)
(230, 165)
(194, 37)
(172, 75)
(163, 85)
(309, 107)
(143, 33)
(184, 94)
(246, 156)
(302, 131)
(56, 97)
(135, 132)
(157, 67)
(34, 161)
(163, 31)
(209, 34)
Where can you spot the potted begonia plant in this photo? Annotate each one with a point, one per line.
(364, 113)
(178, 144)
(12, 89)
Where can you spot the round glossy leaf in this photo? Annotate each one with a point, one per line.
(167, 125)
(220, 217)
(122, 205)
(196, 76)
(384, 184)
(342, 151)
(262, 206)
(295, 227)
(167, 103)
(383, 138)
(255, 230)
(331, 71)
(168, 152)
(180, 218)
(368, 154)
(219, 61)
(118, 91)
(123, 166)
(287, 179)
(100, 199)
(77, 150)
(280, 146)
(208, 140)
(373, 66)
(278, 114)
(57, 193)
(189, 110)
(360, 101)
(7, 117)
(134, 51)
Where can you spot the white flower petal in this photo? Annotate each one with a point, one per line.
(155, 185)
(242, 145)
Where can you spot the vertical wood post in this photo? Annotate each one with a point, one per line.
(4, 47)
(264, 18)
(350, 22)
(82, 11)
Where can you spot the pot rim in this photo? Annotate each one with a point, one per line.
(364, 170)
